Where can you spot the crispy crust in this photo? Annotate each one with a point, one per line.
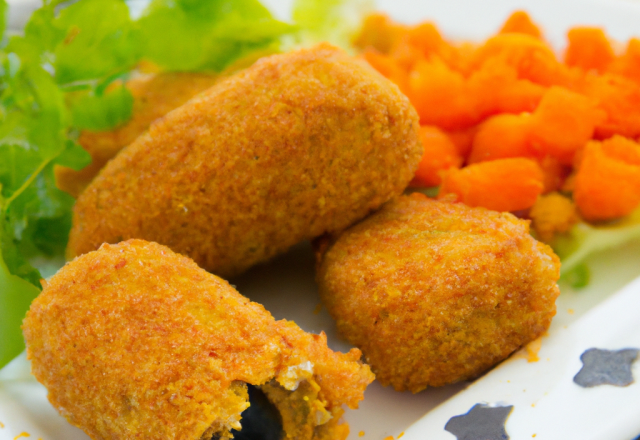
(297, 145)
(136, 342)
(435, 292)
(154, 96)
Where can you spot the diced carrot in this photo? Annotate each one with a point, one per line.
(532, 58)
(619, 98)
(589, 48)
(519, 96)
(563, 122)
(495, 88)
(502, 136)
(440, 154)
(519, 117)
(439, 95)
(389, 68)
(426, 37)
(379, 32)
(463, 139)
(555, 173)
(501, 185)
(621, 148)
(553, 213)
(406, 55)
(629, 63)
(462, 57)
(520, 22)
(606, 187)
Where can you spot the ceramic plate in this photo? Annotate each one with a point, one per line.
(521, 398)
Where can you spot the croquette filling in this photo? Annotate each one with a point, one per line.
(275, 413)
(261, 421)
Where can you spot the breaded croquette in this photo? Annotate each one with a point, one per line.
(436, 292)
(134, 341)
(153, 97)
(295, 146)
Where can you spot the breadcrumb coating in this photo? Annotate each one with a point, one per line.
(436, 292)
(134, 341)
(297, 145)
(153, 97)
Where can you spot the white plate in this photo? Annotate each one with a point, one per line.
(546, 401)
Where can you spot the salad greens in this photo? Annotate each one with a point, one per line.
(65, 74)
(335, 21)
(583, 240)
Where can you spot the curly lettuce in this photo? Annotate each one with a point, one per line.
(583, 240)
(66, 74)
(335, 21)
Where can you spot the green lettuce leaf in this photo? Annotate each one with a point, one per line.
(191, 35)
(335, 21)
(584, 240)
(4, 8)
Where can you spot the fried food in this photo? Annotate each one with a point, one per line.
(153, 97)
(436, 292)
(134, 341)
(297, 145)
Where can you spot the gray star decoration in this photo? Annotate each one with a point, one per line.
(606, 367)
(482, 422)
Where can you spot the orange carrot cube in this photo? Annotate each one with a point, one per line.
(589, 48)
(619, 98)
(564, 122)
(502, 136)
(606, 187)
(389, 68)
(440, 154)
(501, 185)
(463, 139)
(520, 22)
(532, 58)
(439, 95)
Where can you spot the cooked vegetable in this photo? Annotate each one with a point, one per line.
(440, 154)
(501, 185)
(607, 183)
(513, 98)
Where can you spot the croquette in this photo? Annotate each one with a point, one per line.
(154, 96)
(133, 341)
(435, 292)
(297, 145)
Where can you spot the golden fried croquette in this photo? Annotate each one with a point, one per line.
(153, 97)
(295, 146)
(435, 292)
(134, 341)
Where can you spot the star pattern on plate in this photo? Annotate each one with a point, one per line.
(482, 422)
(606, 367)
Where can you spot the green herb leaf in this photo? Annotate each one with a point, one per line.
(193, 35)
(102, 112)
(16, 295)
(99, 40)
(4, 8)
